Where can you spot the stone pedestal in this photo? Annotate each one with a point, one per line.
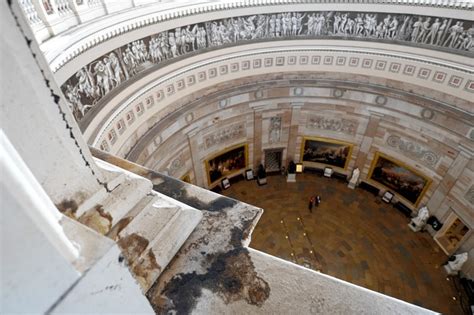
(291, 178)
(352, 185)
(450, 271)
(414, 227)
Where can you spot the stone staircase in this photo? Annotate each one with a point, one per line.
(149, 227)
(154, 235)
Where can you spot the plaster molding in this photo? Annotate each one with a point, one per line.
(242, 58)
(341, 125)
(413, 149)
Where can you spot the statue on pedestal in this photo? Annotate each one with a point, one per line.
(291, 177)
(354, 179)
(261, 175)
(455, 265)
(418, 222)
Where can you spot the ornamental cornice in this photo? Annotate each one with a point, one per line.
(168, 89)
(163, 88)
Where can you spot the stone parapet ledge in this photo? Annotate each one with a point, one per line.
(216, 272)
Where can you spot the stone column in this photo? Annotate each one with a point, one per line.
(46, 156)
(199, 176)
(37, 120)
(55, 21)
(293, 132)
(367, 140)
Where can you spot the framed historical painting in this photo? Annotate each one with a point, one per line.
(227, 163)
(399, 178)
(326, 151)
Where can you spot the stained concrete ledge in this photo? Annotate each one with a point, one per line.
(215, 271)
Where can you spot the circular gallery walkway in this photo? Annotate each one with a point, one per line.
(352, 236)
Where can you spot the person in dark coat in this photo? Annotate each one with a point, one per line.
(312, 202)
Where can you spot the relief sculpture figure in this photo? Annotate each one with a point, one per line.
(112, 69)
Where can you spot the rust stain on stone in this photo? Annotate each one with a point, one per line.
(240, 281)
(97, 219)
(115, 231)
(231, 276)
(146, 270)
(68, 207)
(133, 246)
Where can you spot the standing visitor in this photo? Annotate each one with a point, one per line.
(312, 202)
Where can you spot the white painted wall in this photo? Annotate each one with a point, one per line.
(45, 150)
(40, 127)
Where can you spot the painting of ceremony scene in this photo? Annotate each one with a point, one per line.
(326, 151)
(399, 178)
(226, 163)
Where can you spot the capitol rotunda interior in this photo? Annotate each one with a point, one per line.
(237, 157)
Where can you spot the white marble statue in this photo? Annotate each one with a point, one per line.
(453, 267)
(355, 175)
(275, 129)
(422, 217)
(354, 178)
(418, 223)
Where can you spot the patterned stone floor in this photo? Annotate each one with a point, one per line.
(352, 235)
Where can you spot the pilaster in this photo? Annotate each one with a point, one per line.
(293, 132)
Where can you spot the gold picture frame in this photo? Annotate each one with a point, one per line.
(399, 178)
(324, 151)
(186, 178)
(226, 163)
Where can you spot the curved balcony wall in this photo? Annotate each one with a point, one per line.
(388, 79)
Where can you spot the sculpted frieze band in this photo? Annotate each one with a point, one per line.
(95, 80)
(224, 135)
(413, 150)
(332, 124)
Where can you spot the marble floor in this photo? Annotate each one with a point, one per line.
(352, 235)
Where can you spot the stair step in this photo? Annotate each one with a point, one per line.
(127, 196)
(143, 204)
(150, 222)
(161, 250)
(102, 217)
